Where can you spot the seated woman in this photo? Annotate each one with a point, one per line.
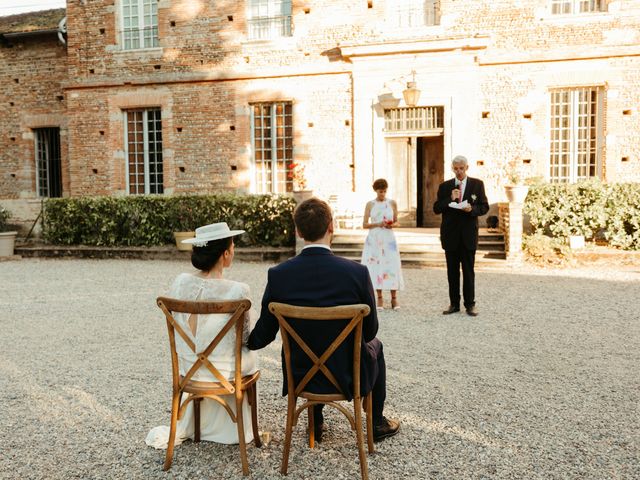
(213, 251)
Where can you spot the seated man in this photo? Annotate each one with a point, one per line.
(317, 278)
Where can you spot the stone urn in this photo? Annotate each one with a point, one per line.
(516, 193)
(179, 236)
(7, 243)
(301, 195)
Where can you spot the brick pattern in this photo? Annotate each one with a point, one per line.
(206, 73)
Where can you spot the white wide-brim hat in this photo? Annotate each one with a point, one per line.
(208, 233)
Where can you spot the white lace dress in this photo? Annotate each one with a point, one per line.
(380, 253)
(216, 426)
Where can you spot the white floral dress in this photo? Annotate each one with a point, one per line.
(380, 253)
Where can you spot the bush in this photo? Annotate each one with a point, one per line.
(592, 209)
(151, 220)
(4, 218)
(541, 249)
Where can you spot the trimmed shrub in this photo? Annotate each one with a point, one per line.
(544, 250)
(592, 209)
(151, 219)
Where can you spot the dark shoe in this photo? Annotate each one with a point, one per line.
(386, 428)
(451, 309)
(472, 312)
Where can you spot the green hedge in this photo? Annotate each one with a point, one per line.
(593, 209)
(152, 219)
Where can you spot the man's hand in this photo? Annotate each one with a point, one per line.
(467, 209)
(455, 194)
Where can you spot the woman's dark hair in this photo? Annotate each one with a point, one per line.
(380, 184)
(204, 258)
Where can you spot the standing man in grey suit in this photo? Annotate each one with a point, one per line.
(461, 201)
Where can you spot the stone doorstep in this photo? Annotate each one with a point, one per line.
(169, 252)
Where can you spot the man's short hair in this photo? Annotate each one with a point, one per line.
(312, 218)
(459, 159)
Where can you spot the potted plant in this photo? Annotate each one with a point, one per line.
(183, 224)
(7, 238)
(515, 188)
(299, 182)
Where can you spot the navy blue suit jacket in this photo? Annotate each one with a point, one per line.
(318, 278)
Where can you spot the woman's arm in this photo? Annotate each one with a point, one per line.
(365, 218)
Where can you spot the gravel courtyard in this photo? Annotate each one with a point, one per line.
(545, 383)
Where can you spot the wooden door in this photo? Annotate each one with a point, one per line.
(430, 172)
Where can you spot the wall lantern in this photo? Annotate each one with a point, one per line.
(411, 94)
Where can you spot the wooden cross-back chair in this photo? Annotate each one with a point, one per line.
(354, 315)
(197, 390)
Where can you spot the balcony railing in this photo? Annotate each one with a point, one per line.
(413, 119)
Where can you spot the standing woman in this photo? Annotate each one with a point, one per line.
(381, 254)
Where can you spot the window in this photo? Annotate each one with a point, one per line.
(272, 132)
(140, 24)
(413, 118)
(268, 19)
(48, 162)
(576, 134)
(559, 7)
(417, 13)
(143, 151)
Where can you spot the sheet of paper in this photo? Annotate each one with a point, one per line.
(462, 205)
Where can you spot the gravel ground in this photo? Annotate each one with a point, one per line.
(543, 384)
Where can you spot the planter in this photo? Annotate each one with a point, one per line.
(516, 193)
(576, 241)
(7, 243)
(179, 236)
(301, 195)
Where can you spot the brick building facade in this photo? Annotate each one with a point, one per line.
(177, 96)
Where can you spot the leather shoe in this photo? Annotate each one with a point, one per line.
(472, 312)
(386, 428)
(451, 309)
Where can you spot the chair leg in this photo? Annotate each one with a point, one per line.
(291, 407)
(253, 401)
(196, 419)
(241, 442)
(369, 411)
(357, 410)
(311, 425)
(175, 406)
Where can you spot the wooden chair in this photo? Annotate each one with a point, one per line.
(197, 390)
(354, 314)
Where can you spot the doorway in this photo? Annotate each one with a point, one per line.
(430, 174)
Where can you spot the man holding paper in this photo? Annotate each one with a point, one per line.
(461, 201)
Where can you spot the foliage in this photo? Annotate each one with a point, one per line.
(151, 219)
(4, 218)
(591, 208)
(297, 176)
(541, 249)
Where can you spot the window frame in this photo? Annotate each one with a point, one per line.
(409, 10)
(44, 162)
(260, 185)
(141, 28)
(146, 152)
(595, 141)
(575, 6)
(272, 19)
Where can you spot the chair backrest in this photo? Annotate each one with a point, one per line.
(237, 308)
(354, 314)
